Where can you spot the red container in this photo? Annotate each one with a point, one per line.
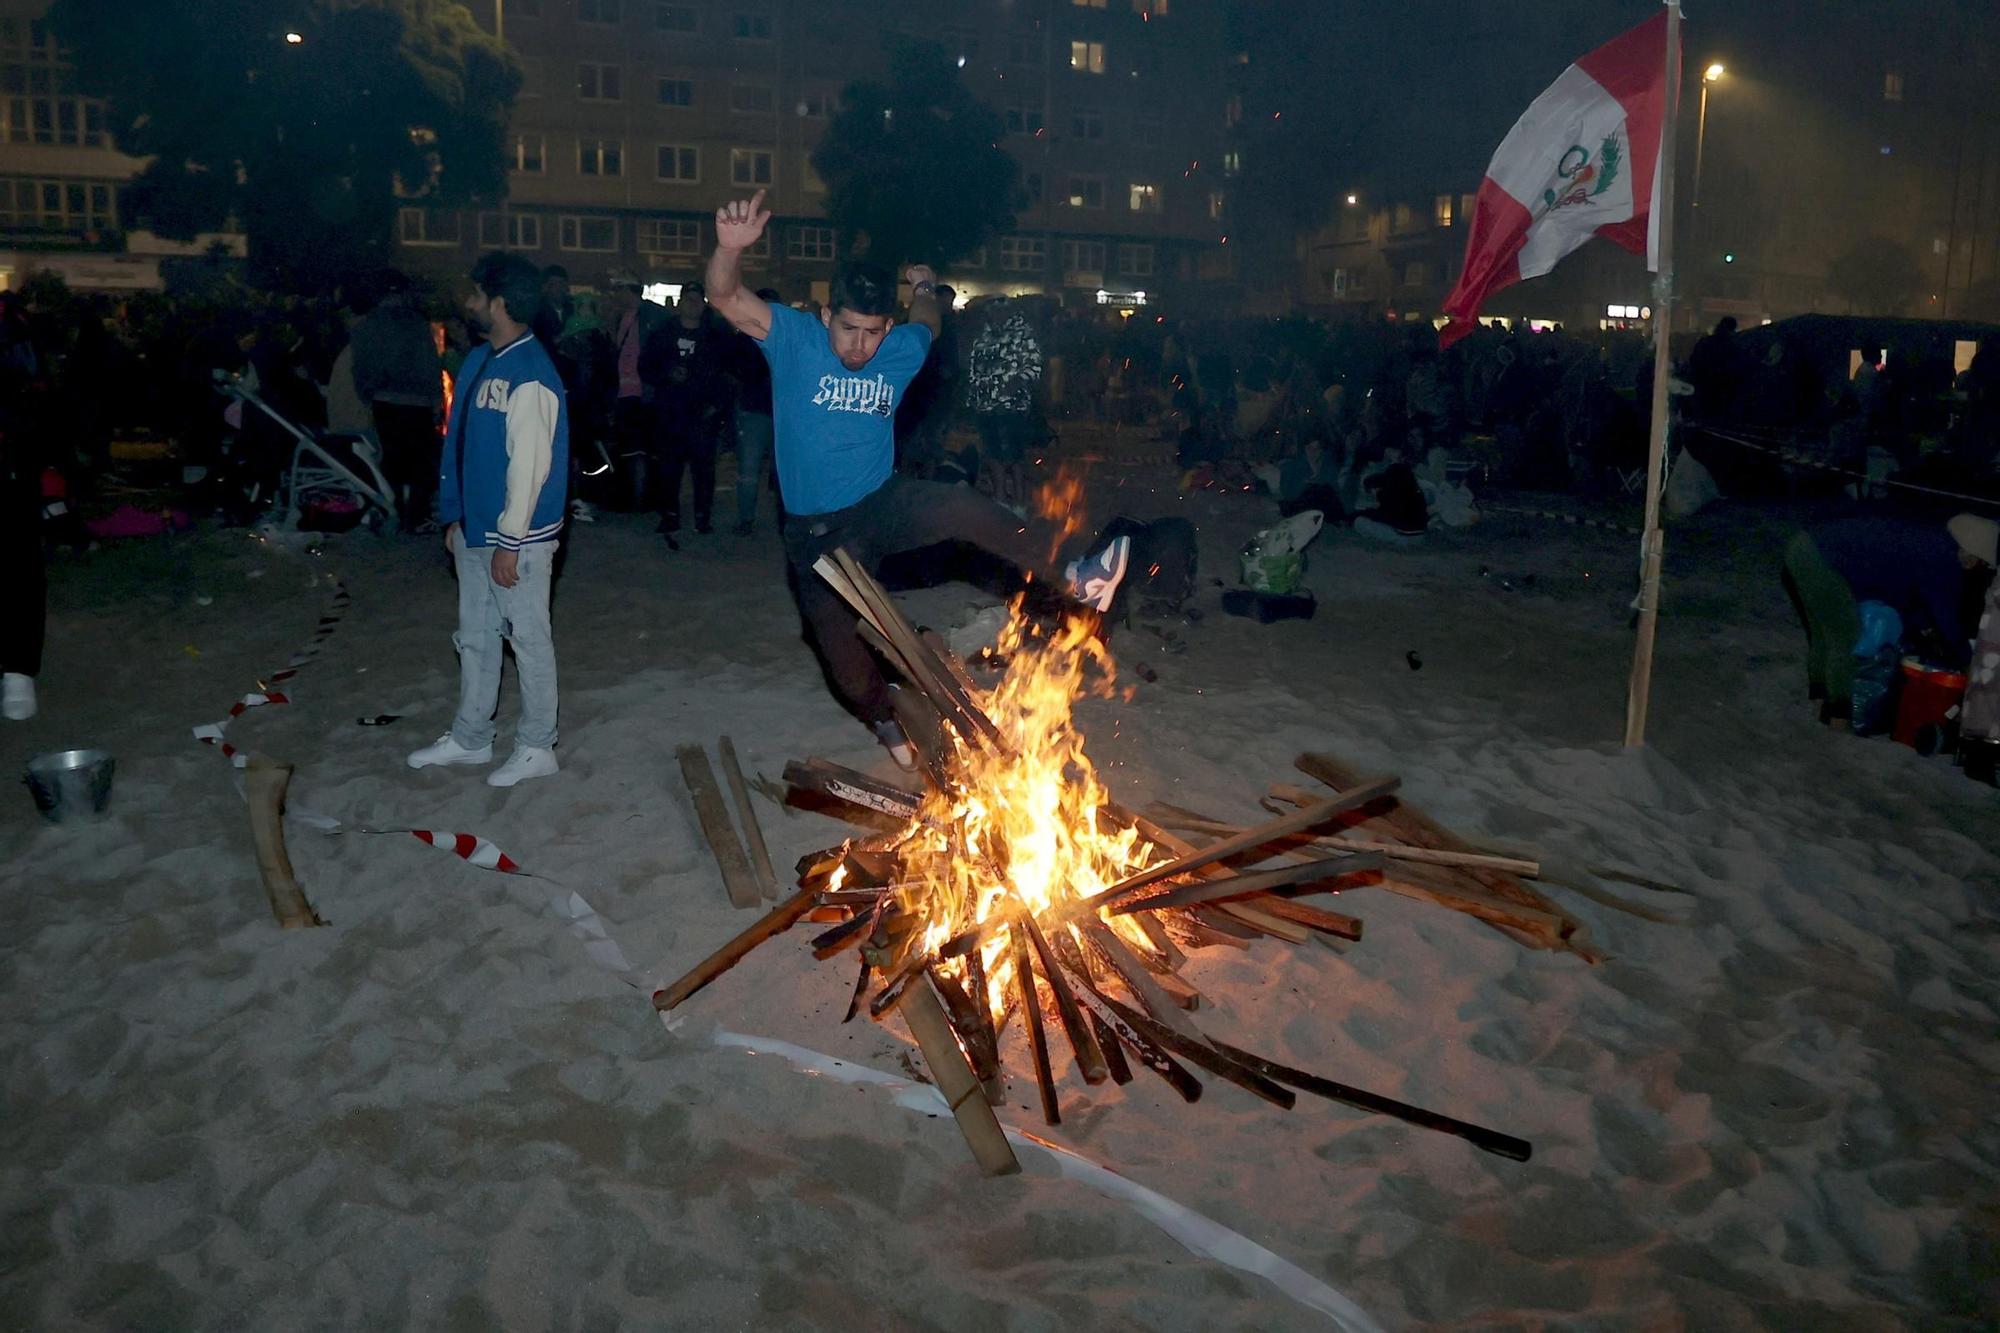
(1928, 697)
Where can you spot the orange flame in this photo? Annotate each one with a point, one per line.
(1059, 501)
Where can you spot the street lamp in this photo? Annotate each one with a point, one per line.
(1713, 74)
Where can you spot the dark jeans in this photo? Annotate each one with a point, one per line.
(903, 515)
(409, 457)
(24, 592)
(685, 443)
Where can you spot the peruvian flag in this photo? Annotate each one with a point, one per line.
(1584, 160)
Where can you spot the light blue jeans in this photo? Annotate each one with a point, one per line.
(488, 613)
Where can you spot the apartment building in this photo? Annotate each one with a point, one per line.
(640, 117)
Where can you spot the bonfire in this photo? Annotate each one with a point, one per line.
(1015, 890)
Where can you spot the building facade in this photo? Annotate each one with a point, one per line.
(640, 117)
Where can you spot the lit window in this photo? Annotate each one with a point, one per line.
(1232, 162)
(589, 234)
(1145, 198)
(1087, 57)
(752, 98)
(70, 207)
(1086, 192)
(598, 83)
(809, 243)
(1023, 254)
(669, 236)
(1087, 124)
(1215, 203)
(1088, 4)
(1892, 86)
(676, 92)
(600, 157)
(749, 166)
(529, 153)
(510, 231)
(677, 18)
(420, 226)
(754, 27)
(678, 164)
(1441, 210)
(1135, 261)
(600, 11)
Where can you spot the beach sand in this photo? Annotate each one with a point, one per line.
(1774, 1109)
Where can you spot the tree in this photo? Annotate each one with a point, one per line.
(1877, 277)
(305, 121)
(913, 168)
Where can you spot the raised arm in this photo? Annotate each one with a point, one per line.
(738, 224)
(923, 299)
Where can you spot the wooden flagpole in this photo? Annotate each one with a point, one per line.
(1652, 546)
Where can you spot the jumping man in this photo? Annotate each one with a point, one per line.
(835, 382)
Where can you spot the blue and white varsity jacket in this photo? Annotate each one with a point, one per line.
(505, 474)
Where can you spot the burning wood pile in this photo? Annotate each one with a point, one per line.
(1016, 890)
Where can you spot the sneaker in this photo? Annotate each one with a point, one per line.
(445, 750)
(526, 762)
(893, 739)
(17, 696)
(1094, 579)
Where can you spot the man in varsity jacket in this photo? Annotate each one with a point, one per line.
(501, 497)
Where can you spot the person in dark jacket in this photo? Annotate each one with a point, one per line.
(685, 364)
(1933, 574)
(398, 376)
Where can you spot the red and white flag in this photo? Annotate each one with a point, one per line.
(1583, 161)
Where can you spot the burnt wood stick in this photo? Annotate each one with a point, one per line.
(714, 817)
(826, 778)
(928, 733)
(1225, 925)
(1330, 923)
(1487, 1140)
(1137, 980)
(1031, 1013)
(1198, 933)
(1150, 1053)
(855, 930)
(860, 991)
(1242, 910)
(753, 832)
(775, 922)
(1206, 1056)
(1072, 956)
(1189, 821)
(1082, 1042)
(955, 1079)
(961, 1009)
(893, 986)
(941, 703)
(982, 1007)
(1170, 956)
(1236, 886)
(1299, 820)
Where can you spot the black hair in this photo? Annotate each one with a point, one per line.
(694, 288)
(510, 278)
(866, 289)
(555, 271)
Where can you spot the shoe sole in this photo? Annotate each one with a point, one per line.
(525, 777)
(467, 762)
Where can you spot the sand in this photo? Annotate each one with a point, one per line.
(1774, 1109)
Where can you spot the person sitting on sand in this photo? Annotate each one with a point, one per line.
(501, 497)
(1926, 571)
(835, 382)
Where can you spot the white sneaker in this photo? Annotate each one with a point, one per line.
(1094, 579)
(526, 762)
(445, 750)
(17, 696)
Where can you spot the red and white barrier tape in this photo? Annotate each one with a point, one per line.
(211, 733)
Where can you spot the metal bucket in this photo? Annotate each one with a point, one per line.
(71, 782)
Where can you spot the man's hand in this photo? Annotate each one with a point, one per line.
(740, 222)
(919, 274)
(450, 531)
(506, 567)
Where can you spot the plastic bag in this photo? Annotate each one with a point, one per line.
(1273, 560)
(1875, 683)
(1881, 630)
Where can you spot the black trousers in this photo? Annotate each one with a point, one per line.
(409, 457)
(685, 443)
(904, 515)
(24, 593)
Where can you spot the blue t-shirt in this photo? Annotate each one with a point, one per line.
(834, 429)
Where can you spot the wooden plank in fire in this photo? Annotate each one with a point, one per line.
(826, 778)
